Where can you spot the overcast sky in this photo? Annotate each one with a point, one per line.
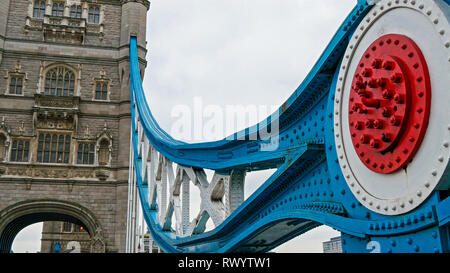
(247, 52)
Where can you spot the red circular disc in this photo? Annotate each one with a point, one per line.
(389, 103)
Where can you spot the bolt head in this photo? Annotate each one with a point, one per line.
(387, 112)
(376, 64)
(369, 123)
(365, 139)
(375, 143)
(359, 125)
(388, 65)
(399, 98)
(397, 78)
(395, 121)
(378, 124)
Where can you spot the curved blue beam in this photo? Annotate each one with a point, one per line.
(233, 151)
(258, 217)
(207, 155)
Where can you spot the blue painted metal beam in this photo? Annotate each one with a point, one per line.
(308, 188)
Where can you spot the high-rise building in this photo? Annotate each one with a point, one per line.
(334, 245)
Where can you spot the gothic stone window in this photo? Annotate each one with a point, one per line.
(58, 9)
(59, 81)
(94, 15)
(2, 147)
(86, 153)
(78, 228)
(67, 227)
(103, 152)
(19, 150)
(53, 148)
(101, 90)
(16, 84)
(39, 9)
(75, 11)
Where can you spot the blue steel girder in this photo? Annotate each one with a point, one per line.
(307, 190)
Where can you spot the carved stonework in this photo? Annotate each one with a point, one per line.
(51, 172)
(56, 101)
(65, 30)
(19, 171)
(34, 24)
(102, 175)
(53, 123)
(4, 127)
(97, 243)
(56, 113)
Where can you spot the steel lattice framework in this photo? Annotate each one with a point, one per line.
(362, 147)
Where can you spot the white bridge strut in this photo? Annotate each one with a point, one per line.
(169, 194)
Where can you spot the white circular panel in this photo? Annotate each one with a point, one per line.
(427, 24)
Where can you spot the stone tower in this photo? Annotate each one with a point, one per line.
(65, 115)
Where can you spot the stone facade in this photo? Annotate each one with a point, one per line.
(65, 114)
(71, 238)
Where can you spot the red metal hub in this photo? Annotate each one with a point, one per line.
(389, 103)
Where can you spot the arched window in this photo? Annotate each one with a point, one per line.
(39, 9)
(2, 147)
(16, 84)
(19, 150)
(86, 153)
(103, 152)
(75, 11)
(94, 15)
(59, 81)
(58, 9)
(67, 227)
(101, 91)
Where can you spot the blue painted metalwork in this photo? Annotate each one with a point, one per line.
(308, 188)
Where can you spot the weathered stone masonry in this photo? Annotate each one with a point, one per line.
(86, 101)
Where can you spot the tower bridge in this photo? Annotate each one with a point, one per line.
(362, 145)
